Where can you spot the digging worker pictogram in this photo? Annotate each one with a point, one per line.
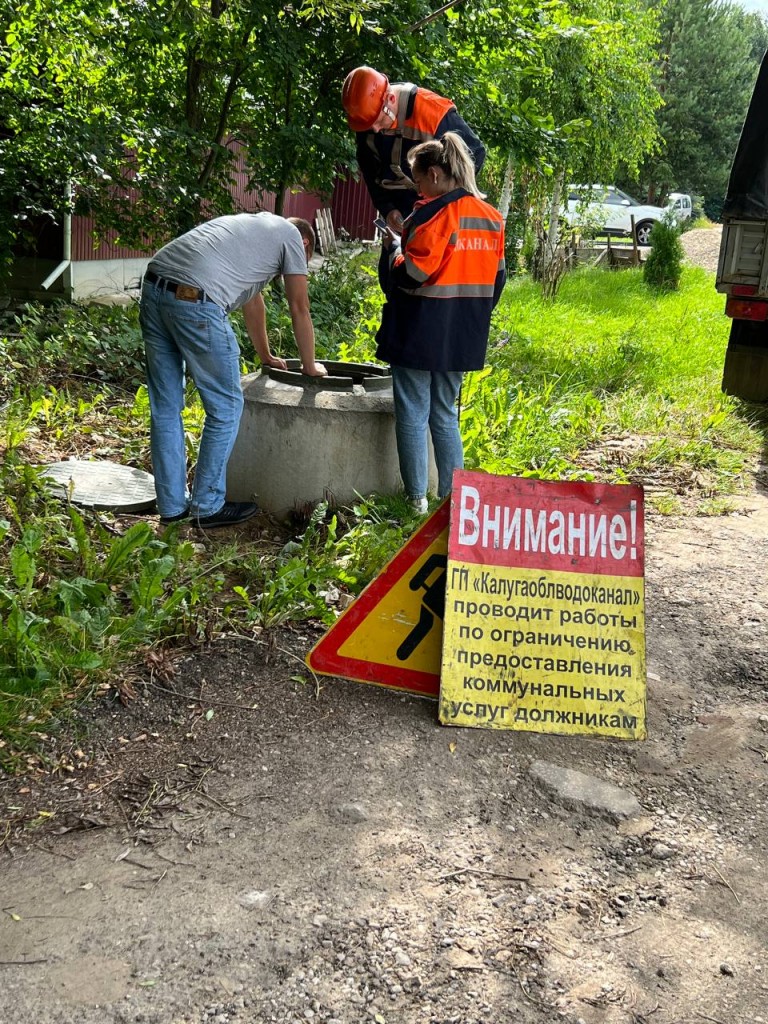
(390, 118)
(433, 602)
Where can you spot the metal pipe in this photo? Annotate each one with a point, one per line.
(58, 271)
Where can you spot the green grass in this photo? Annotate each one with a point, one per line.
(701, 221)
(612, 358)
(608, 330)
(612, 381)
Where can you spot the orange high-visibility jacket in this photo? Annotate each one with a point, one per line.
(445, 279)
(422, 115)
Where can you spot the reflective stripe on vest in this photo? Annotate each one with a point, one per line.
(456, 253)
(452, 291)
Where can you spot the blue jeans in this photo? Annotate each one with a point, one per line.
(427, 399)
(197, 336)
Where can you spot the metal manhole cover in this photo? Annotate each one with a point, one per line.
(102, 485)
(342, 376)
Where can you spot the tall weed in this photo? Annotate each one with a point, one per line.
(345, 302)
(76, 599)
(306, 576)
(64, 342)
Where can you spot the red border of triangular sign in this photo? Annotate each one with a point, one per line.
(324, 656)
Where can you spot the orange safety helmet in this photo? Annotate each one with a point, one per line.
(362, 96)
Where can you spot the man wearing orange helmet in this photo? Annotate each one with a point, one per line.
(390, 118)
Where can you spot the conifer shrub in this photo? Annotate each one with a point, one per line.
(664, 266)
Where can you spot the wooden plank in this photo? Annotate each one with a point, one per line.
(324, 225)
(324, 234)
(331, 233)
(320, 228)
(635, 250)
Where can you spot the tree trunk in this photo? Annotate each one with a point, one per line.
(195, 71)
(505, 199)
(553, 230)
(280, 198)
(550, 263)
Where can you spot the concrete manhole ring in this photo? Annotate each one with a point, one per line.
(341, 376)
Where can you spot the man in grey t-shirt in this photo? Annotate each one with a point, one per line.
(190, 287)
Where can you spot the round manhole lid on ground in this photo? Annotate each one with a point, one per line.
(102, 485)
(341, 376)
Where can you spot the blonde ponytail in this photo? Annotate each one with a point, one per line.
(452, 155)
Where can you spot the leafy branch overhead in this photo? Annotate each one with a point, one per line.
(166, 100)
(149, 109)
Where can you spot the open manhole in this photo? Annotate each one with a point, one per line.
(341, 376)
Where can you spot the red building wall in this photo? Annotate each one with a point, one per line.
(300, 204)
(351, 209)
(83, 247)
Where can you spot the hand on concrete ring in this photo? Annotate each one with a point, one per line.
(276, 362)
(315, 370)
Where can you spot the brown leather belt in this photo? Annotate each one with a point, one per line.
(187, 292)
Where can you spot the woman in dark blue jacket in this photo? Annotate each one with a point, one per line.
(446, 275)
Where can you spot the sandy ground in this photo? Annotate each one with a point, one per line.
(336, 855)
(702, 246)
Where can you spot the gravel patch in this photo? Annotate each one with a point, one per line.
(702, 246)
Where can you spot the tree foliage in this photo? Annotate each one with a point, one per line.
(600, 89)
(148, 109)
(708, 58)
(164, 99)
(594, 88)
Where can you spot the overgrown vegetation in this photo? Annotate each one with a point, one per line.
(119, 102)
(612, 382)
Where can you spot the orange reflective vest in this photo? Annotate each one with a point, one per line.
(421, 116)
(445, 279)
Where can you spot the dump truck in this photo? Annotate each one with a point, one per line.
(742, 272)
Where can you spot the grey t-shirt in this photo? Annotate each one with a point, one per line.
(233, 257)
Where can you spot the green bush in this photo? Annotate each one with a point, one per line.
(346, 309)
(664, 266)
(50, 344)
(77, 599)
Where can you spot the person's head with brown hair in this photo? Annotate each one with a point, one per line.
(442, 165)
(307, 233)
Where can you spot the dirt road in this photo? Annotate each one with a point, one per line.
(251, 850)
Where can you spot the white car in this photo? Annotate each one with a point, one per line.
(608, 208)
(680, 204)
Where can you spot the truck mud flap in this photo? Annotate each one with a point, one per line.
(745, 374)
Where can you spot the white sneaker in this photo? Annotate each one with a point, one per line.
(420, 504)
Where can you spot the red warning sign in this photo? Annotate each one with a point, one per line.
(393, 633)
(544, 625)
